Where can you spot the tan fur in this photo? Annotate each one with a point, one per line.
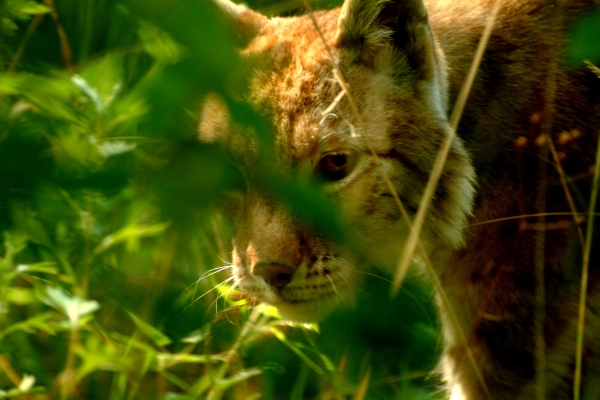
(404, 70)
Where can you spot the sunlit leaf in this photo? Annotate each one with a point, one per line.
(88, 90)
(32, 7)
(27, 383)
(298, 349)
(74, 307)
(167, 360)
(238, 377)
(268, 310)
(46, 267)
(128, 233)
(102, 80)
(20, 296)
(114, 147)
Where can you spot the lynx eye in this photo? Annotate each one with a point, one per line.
(336, 166)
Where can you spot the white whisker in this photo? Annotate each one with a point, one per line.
(207, 292)
(338, 294)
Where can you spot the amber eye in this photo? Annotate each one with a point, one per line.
(334, 167)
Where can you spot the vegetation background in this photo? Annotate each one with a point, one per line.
(114, 260)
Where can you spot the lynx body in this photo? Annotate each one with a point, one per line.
(404, 63)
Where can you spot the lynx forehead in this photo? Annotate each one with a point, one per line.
(403, 62)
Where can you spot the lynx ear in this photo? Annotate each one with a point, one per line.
(244, 22)
(377, 24)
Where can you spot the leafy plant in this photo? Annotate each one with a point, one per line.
(113, 267)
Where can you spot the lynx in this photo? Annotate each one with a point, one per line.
(504, 229)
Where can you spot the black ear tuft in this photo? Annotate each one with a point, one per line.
(403, 24)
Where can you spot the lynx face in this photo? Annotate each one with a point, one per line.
(397, 82)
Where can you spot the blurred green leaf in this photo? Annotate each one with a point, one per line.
(268, 310)
(20, 296)
(76, 150)
(22, 9)
(50, 95)
(239, 377)
(297, 348)
(176, 396)
(157, 336)
(305, 200)
(74, 307)
(90, 155)
(31, 7)
(39, 322)
(130, 233)
(46, 267)
(159, 44)
(97, 355)
(114, 147)
(27, 222)
(197, 335)
(585, 39)
(168, 360)
(88, 90)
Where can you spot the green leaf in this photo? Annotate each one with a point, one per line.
(98, 355)
(31, 7)
(113, 147)
(46, 267)
(74, 307)
(77, 150)
(130, 233)
(42, 322)
(8, 25)
(159, 44)
(157, 336)
(51, 96)
(20, 296)
(197, 335)
(238, 378)
(298, 349)
(305, 199)
(268, 310)
(91, 92)
(102, 82)
(167, 360)
(177, 396)
(27, 222)
(27, 383)
(584, 41)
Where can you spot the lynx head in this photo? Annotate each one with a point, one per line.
(395, 107)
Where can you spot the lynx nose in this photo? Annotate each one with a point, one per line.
(276, 275)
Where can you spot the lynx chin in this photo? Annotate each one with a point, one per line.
(503, 228)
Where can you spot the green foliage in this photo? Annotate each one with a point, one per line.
(584, 39)
(114, 277)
